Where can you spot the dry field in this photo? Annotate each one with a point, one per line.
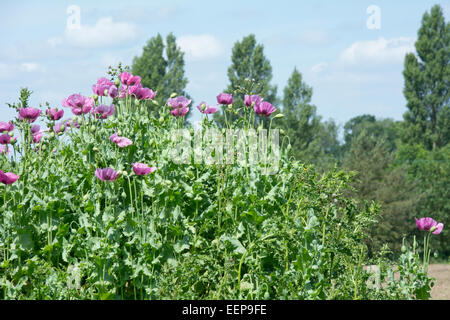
(441, 289)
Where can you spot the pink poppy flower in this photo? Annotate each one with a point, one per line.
(103, 111)
(179, 102)
(225, 98)
(79, 104)
(143, 93)
(55, 114)
(29, 113)
(142, 169)
(264, 109)
(5, 138)
(128, 79)
(249, 100)
(204, 108)
(101, 86)
(6, 126)
(8, 177)
(106, 174)
(429, 224)
(179, 112)
(120, 141)
(112, 91)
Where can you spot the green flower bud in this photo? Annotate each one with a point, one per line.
(124, 195)
(161, 119)
(403, 249)
(117, 83)
(105, 92)
(95, 97)
(230, 107)
(173, 95)
(13, 141)
(10, 133)
(125, 174)
(95, 149)
(52, 135)
(433, 228)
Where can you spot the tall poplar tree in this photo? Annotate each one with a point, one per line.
(249, 73)
(300, 122)
(427, 83)
(161, 67)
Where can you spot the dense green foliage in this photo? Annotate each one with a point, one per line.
(186, 231)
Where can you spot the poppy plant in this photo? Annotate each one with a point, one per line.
(204, 108)
(142, 169)
(120, 141)
(29, 113)
(429, 224)
(264, 109)
(8, 177)
(225, 98)
(79, 104)
(6, 126)
(101, 86)
(106, 174)
(103, 111)
(55, 114)
(252, 100)
(128, 79)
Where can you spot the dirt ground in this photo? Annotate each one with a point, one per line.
(441, 289)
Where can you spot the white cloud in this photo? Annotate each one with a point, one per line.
(378, 51)
(200, 47)
(105, 32)
(17, 70)
(319, 67)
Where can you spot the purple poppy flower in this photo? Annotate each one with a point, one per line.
(38, 136)
(29, 113)
(249, 100)
(112, 92)
(6, 126)
(103, 111)
(264, 109)
(142, 169)
(429, 224)
(128, 79)
(145, 94)
(225, 98)
(204, 108)
(179, 112)
(106, 174)
(8, 177)
(5, 138)
(79, 104)
(120, 141)
(179, 102)
(101, 86)
(55, 114)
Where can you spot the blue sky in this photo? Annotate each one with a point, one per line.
(353, 69)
